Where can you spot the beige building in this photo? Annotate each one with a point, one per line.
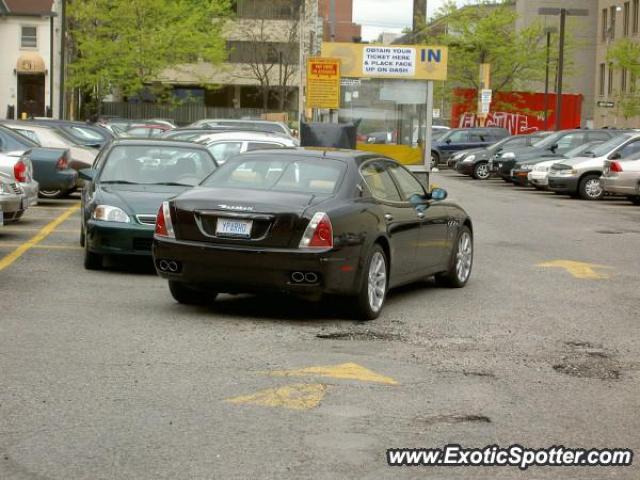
(617, 19)
(264, 54)
(580, 58)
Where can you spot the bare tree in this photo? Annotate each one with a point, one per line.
(272, 64)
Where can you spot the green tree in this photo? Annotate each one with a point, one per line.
(485, 32)
(624, 55)
(122, 46)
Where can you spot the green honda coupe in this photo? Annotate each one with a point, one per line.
(126, 186)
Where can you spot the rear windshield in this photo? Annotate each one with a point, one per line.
(156, 165)
(304, 175)
(265, 127)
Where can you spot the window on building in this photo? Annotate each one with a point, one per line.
(263, 53)
(625, 18)
(605, 24)
(271, 10)
(610, 80)
(29, 37)
(602, 79)
(634, 14)
(623, 80)
(612, 22)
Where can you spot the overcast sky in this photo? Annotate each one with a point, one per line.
(378, 16)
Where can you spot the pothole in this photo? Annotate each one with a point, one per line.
(367, 335)
(587, 370)
(453, 419)
(588, 361)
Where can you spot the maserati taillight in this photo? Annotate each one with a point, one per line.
(319, 232)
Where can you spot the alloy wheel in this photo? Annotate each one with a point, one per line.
(482, 171)
(464, 257)
(593, 188)
(377, 284)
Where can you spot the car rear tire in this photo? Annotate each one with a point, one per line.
(370, 299)
(461, 261)
(635, 200)
(92, 261)
(51, 194)
(481, 171)
(435, 160)
(187, 295)
(591, 188)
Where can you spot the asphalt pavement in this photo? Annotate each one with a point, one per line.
(104, 376)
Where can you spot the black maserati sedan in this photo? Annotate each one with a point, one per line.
(310, 222)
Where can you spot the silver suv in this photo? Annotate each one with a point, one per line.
(580, 176)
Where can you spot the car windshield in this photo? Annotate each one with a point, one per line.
(549, 140)
(606, 147)
(18, 139)
(270, 172)
(84, 134)
(513, 141)
(159, 165)
(581, 150)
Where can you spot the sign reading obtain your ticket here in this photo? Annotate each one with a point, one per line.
(411, 62)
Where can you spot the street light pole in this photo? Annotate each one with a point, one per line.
(563, 19)
(563, 12)
(548, 31)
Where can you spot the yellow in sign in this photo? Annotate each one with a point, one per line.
(582, 270)
(298, 396)
(323, 83)
(343, 371)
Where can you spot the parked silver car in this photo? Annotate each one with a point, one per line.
(580, 176)
(18, 168)
(13, 201)
(224, 145)
(49, 136)
(622, 177)
(245, 124)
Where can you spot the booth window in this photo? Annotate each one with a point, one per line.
(29, 37)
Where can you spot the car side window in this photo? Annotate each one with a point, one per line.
(409, 185)
(598, 136)
(262, 146)
(629, 149)
(458, 137)
(477, 137)
(379, 181)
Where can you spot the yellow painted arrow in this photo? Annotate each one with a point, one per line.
(343, 371)
(580, 270)
(298, 396)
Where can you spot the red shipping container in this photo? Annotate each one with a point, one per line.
(518, 112)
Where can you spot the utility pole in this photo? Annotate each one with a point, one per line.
(301, 67)
(419, 14)
(563, 12)
(548, 31)
(332, 20)
(563, 20)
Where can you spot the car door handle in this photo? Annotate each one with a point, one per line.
(420, 214)
(388, 217)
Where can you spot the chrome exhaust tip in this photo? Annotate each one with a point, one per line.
(173, 266)
(297, 277)
(163, 265)
(310, 277)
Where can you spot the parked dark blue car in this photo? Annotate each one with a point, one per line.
(458, 139)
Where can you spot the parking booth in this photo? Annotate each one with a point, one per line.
(388, 89)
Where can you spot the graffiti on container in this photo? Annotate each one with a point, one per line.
(516, 123)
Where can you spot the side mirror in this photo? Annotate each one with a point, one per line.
(448, 141)
(87, 174)
(615, 156)
(438, 194)
(553, 147)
